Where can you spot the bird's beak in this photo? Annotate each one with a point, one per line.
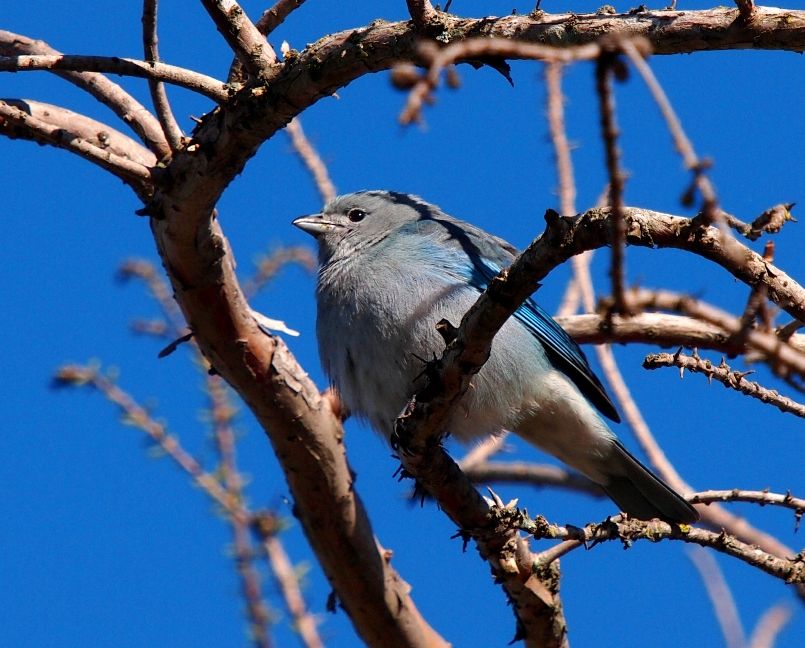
(315, 224)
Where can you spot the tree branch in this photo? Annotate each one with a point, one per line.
(311, 159)
(248, 44)
(797, 504)
(521, 472)
(769, 626)
(92, 140)
(720, 596)
(305, 434)
(158, 95)
(307, 438)
(338, 59)
(152, 70)
(287, 580)
(777, 350)
(662, 329)
(422, 13)
(723, 374)
(274, 17)
(607, 65)
(563, 238)
(131, 111)
(789, 569)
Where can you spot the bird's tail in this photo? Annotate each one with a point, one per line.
(640, 493)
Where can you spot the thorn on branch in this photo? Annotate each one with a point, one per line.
(726, 376)
(174, 345)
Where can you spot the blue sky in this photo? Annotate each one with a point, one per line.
(102, 544)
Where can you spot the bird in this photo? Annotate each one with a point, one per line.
(391, 266)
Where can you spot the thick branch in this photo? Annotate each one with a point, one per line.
(338, 59)
(563, 238)
(307, 438)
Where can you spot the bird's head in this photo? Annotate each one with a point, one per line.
(352, 222)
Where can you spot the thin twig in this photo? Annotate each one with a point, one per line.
(481, 453)
(195, 81)
(158, 94)
(221, 414)
(789, 569)
(520, 472)
(288, 580)
(564, 167)
(561, 147)
(604, 70)
(268, 266)
(720, 596)
(797, 504)
(147, 272)
(311, 159)
(726, 376)
(84, 376)
(474, 47)
(769, 626)
(681, 142)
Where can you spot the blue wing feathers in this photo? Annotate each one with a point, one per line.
(485, 256)
(561, 348)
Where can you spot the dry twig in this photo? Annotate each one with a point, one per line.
(606, 67)
(221, 415)
(159, 97)
(788, 569)
(769, 626)
(720, 596)
(266, 525)
(726, 376)
(311, 159)
(152, 70)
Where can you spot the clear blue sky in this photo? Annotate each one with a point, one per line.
(103, 545)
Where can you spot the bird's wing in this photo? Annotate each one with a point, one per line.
(561, 348)
(488, 256)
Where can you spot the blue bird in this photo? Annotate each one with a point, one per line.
(392, 266)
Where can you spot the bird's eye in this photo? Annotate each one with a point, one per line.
(356, 215)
